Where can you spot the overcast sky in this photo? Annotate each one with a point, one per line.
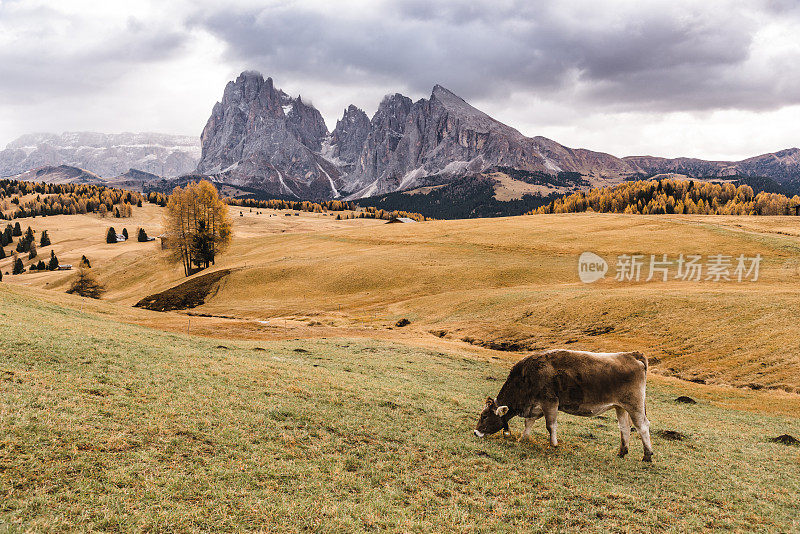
(717, 79)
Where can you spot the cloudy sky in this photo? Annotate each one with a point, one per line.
(706, 79)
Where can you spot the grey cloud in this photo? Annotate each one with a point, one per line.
(658, 57)
(45, 65)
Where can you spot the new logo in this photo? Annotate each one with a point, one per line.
(591, 267)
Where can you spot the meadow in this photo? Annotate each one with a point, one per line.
(291, 400)
(107, 426)
(506, 283)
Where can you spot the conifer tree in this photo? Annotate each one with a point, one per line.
(125, 232)
(17, 230)
(52, 265)
(111, 235)
(32, 251)
(18, 267)
(45, 240)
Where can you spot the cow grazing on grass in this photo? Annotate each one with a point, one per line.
(575, 382)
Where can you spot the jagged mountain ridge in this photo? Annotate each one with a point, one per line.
(106, 155)
(260, 137)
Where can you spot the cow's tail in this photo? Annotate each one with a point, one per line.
(640, 357)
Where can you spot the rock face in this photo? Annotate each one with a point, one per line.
(446, 136)
(106, 155)
(344, 146)
(260, 137)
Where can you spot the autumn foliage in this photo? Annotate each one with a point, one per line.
(17, 200)
(197, 225)
(674, 196)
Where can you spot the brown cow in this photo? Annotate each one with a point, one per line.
(575, 382)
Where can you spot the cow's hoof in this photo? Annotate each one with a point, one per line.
(648, 458)
(622, 452)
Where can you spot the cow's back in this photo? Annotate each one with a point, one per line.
(579, 379)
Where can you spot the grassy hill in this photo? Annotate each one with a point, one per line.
(110, 426)
(492, 284)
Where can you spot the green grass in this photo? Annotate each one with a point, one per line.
(112, 427)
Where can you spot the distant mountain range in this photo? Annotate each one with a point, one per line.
(261, 141)
(106, 155)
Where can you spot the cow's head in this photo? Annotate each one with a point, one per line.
(491, 420)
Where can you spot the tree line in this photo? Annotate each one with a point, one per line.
(64, 199)
(674, 196)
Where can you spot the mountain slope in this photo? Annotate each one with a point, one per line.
(782, 166)
(61, 174)
(106, 155)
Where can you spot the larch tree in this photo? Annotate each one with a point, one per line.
(85, 284)
(198, 225)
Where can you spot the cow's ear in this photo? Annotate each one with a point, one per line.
(501, 411)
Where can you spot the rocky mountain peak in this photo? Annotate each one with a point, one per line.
(347, 140)
(259, 136)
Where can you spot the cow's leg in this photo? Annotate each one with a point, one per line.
(624, 421)
(642, 424)
(550, 416)
(529, 421)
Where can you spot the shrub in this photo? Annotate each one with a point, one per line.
(41, 266)
(111, 235)
(2, 253)
(85, 262)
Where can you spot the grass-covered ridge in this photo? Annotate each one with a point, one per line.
(106, 426)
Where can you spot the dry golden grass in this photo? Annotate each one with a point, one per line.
(492, 282)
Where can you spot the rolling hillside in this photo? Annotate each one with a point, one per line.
(498, 285)
(117, 427)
